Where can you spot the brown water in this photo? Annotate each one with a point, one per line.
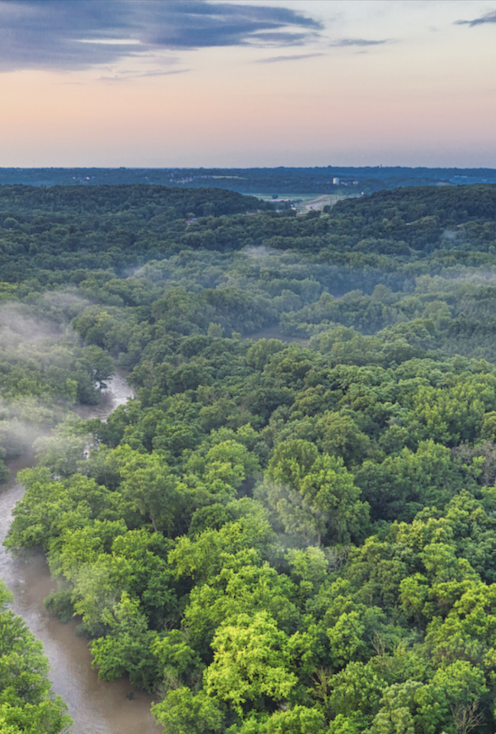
(97, 707)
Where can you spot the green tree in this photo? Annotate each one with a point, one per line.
(151, 488)
(128, 647)
(27, 703)
(313, 495)
(251, 662)
(183, 712)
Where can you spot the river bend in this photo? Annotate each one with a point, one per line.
(97, 707)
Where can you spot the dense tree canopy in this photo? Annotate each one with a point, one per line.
(26, 700)
(291, 528)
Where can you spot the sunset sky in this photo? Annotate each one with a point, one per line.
(165, 83)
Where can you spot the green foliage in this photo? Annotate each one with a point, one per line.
(182, 712)
(274, 537)
(314, 495)
(251, 660)
(44, 370)
(27, 703)
(128, 646)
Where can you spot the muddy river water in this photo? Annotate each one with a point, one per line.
(97, 707)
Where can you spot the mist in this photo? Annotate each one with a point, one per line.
(39, 353)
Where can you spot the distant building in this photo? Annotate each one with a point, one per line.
(335, 181)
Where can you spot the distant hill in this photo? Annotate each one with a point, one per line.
(171, 202)
(267, 181)
(69, 228)
(451, 205)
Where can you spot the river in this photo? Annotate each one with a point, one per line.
(97, 707)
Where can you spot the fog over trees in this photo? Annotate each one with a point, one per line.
(290, 529)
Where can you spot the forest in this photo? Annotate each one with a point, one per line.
(290, 529)
(281, 180)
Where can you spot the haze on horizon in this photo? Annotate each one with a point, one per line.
(251, 83)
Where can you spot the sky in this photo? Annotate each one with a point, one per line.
(190, 83)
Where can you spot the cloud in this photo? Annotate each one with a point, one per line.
(294, 57)
(131, 75)
(488, 18)
(163, 73)
(343, 42)
(77, 34)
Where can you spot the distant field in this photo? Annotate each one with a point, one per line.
(319, 202)
(306, 202)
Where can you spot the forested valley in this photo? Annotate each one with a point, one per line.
(291, 528)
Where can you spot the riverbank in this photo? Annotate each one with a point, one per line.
(96, 706)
